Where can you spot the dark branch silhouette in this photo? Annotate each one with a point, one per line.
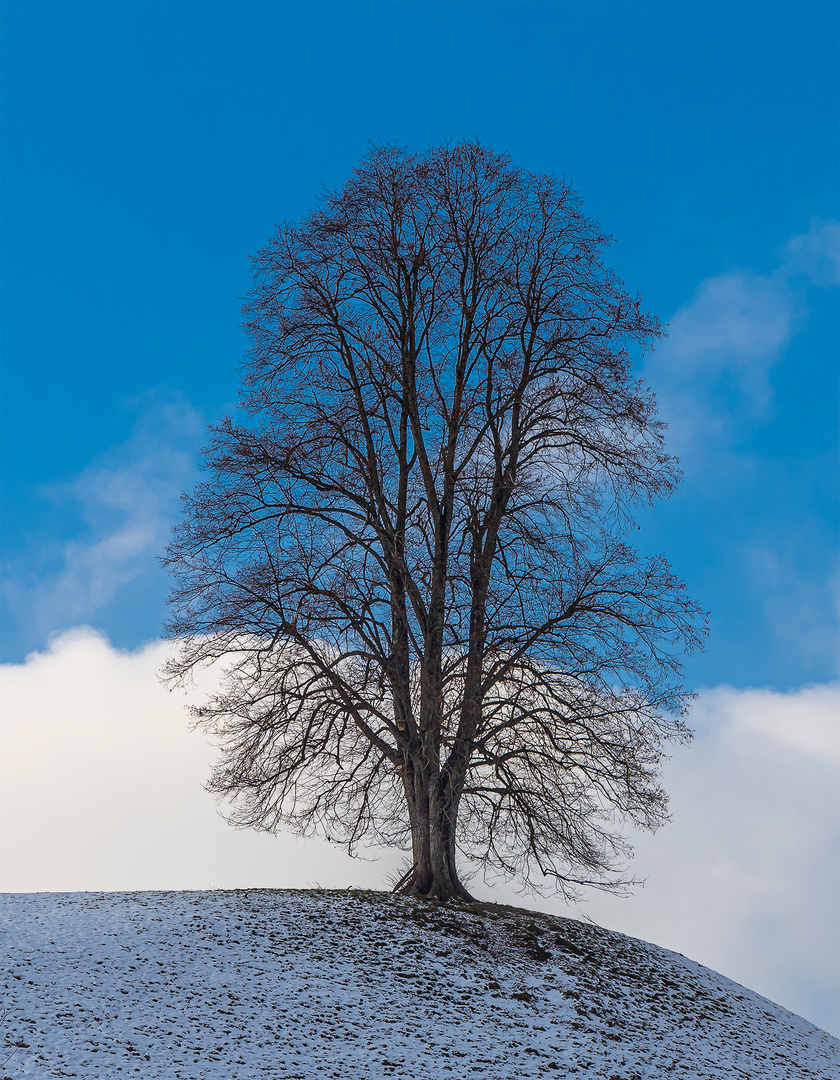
(410, 553)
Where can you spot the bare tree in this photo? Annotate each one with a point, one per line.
(411, 550)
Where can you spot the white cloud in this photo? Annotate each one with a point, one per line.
(807, 720)
(815, 254)
(736, 321)
(746, 878)
(711, 374)
(127, 501)
(102, 789)
(103, 779)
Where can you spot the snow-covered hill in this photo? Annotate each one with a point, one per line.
(358, 986)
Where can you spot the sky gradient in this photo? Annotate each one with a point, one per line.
(149, 149)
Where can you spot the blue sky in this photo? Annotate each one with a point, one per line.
(149, 148)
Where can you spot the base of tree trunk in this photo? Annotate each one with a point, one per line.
(436, 889)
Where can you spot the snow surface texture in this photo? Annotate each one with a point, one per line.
(300, 985)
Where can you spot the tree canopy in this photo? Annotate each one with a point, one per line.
(411, 550)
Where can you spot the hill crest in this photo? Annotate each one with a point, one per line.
(301, 985)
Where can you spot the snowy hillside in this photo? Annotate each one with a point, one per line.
(358, 986)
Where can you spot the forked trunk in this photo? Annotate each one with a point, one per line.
(433, 813)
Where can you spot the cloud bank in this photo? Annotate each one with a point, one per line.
(102, 785)
(746, 878)
(102, 789)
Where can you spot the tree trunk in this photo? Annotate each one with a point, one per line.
(433, 813)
